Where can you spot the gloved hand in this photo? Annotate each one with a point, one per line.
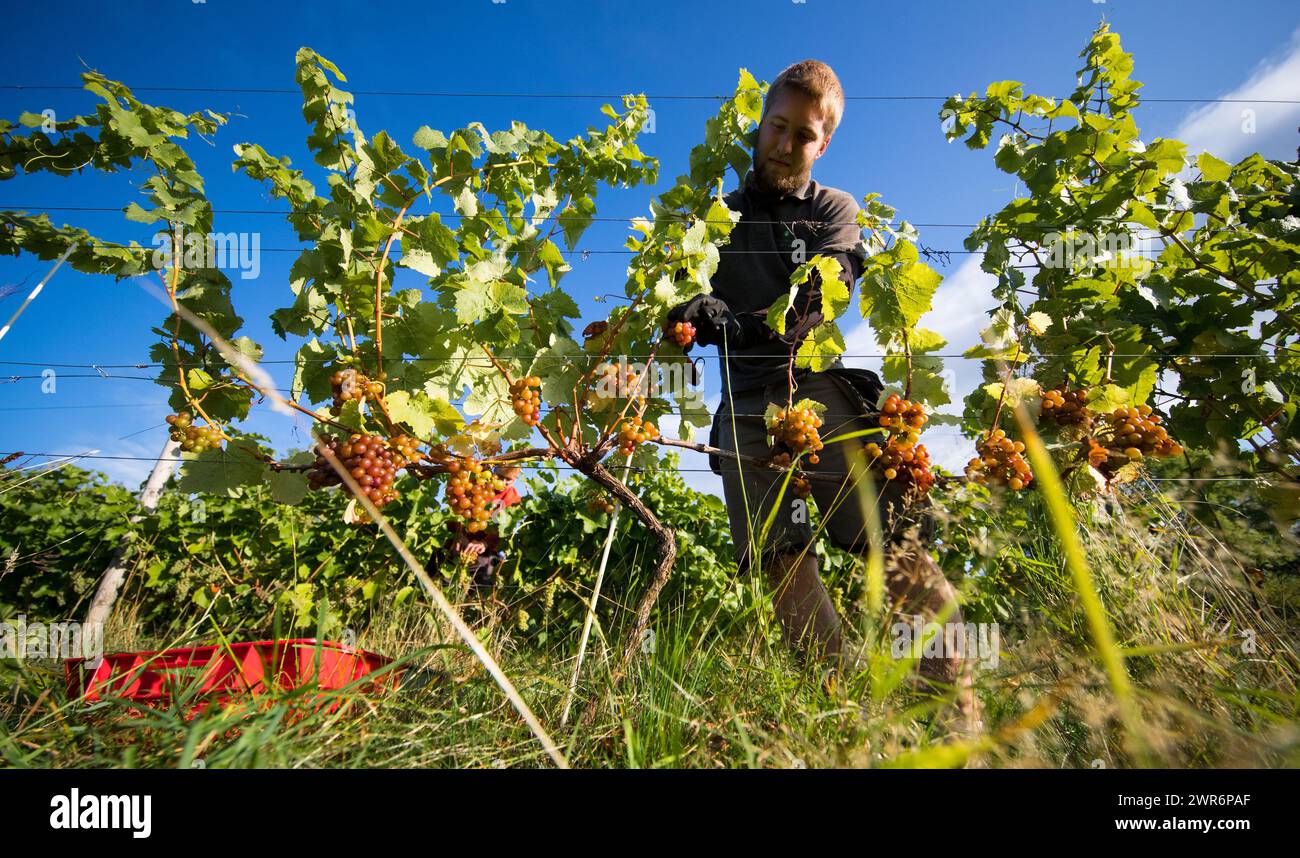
(713, 320)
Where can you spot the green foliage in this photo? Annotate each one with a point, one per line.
(261, 555)
(1228, 256)
(58, 532)
(555, 540)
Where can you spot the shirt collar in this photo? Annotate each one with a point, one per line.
(803, 194)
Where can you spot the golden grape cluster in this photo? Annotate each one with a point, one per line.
(368, 459)
(901, 457)
(682, 333)
(1001, 461)
(903, 418)
(1136, 432)
(782, 459)
(194, 439)
(600, 503)
(470, 491)
(1066, 407)
(634, 432)
(908, 464)
(610, 385)
(408, 448)
(526, 398)
(796, 429)
(349, 384)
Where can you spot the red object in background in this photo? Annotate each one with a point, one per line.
(219, 674)
(506, 497)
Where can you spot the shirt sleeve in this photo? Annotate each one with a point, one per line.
(838, 230)
(838, 236)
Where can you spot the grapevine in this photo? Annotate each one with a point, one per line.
(194, 439)
(795, 429)
(526, 399)
(470, 492)
(1001, 461)
(634, 432)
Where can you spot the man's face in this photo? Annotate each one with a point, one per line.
(791, 137)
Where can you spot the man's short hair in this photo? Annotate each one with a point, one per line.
(816, 80)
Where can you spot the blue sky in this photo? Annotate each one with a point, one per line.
(1182, 50)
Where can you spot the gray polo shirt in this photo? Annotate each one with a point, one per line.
(755, 266)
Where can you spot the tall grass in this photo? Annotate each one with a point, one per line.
(1211, 669)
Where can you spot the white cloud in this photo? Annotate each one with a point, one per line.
(1223, 128)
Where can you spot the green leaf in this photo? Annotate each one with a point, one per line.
(429, 138)
(466, 202)
(220, 471)
(290, 487)
(780, 307)
(1212, 169)
(416, 410)
(1105, 398)
(198, 380)
(820, 348)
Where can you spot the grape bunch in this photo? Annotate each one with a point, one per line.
(1136, 432)
(682, 333)
(600, 503)
(897, 460)
(348, 384)
(903, 418)
(370, 461)
(407, 449)
(1066, 407)
(610, 385)
(632, 433)
(526, 397)
(901, 457)
(796, 429)
(1001, 461)
(470, 490)
(194, 439)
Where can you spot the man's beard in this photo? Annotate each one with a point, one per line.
(777, 185)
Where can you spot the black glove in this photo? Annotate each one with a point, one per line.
(714, 321)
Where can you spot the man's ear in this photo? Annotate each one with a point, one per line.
(825, 143)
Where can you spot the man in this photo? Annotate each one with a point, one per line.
(787, 218)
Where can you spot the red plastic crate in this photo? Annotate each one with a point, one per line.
(226, 672)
